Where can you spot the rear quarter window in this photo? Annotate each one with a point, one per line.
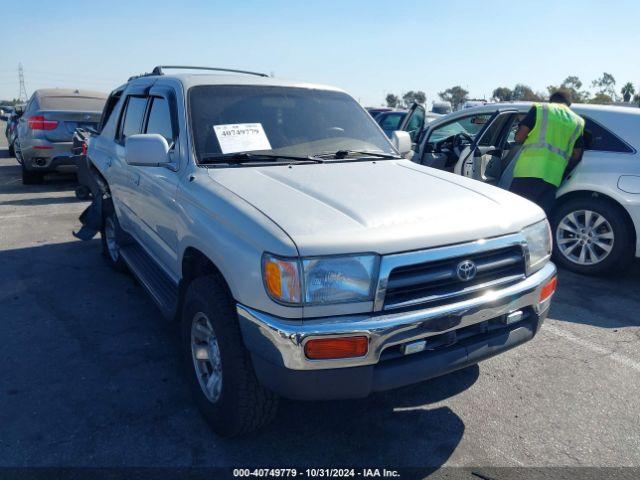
(599, 138)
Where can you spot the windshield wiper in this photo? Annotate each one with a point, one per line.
(245, 157)
(342, 154)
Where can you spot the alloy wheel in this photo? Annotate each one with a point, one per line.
(584, 237)
(205, 353)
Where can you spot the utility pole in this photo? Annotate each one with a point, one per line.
(23, 97)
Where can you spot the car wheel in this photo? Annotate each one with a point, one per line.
(83, 192)
(219, 367)
(591, 236)
(31, 178)
(111, 235)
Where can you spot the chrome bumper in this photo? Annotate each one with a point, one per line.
(281, 342)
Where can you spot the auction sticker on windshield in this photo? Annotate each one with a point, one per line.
(241, 137)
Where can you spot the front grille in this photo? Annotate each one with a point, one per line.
(437, 283)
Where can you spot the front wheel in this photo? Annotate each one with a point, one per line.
(591, 236)
(218, 365)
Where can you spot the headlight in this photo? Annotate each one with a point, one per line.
(338, 279)
(322, 280)
(538, 238)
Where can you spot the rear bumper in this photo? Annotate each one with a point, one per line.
(45, 156)
(456, 336)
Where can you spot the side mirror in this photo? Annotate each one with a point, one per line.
(146, 150)
(402, 141)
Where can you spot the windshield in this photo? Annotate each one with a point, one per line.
(227, 119)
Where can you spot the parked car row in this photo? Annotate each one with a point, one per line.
(302, 254)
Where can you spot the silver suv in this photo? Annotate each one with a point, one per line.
(303, 256)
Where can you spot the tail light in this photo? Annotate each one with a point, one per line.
(39, 123)
(84, 148)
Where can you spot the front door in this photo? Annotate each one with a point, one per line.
(155, 201)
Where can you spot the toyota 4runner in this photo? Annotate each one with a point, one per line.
(302, 254)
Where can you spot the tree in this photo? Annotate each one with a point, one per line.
(410, 97)
(455, 95)
(627, 91)
(571, 85)
(502, 94)
(606, 85)
(636, 99)
(601, 98)
(392, 100)
(524, 93)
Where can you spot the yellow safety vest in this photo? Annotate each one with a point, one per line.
(546, 151)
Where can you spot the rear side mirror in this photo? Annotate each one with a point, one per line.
(146, 150)
(402, 141)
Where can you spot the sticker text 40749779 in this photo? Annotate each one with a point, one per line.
(241, 137)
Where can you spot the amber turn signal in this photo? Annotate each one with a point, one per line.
(328, 348)
(548, 289)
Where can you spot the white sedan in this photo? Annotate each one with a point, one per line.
(596, 220)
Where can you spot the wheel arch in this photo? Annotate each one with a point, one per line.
(590, 194)
(197, 264)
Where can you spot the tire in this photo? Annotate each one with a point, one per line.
(607, 248)
(83, 192)
(111, 235)
(31, 178)
(237, 403)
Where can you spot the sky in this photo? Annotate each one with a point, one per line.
(369, 48)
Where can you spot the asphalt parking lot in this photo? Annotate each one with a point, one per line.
(91, 374)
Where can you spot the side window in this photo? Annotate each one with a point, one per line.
(108, 109)
(160, 119)
(30, 105)
(599, 138)
(131, 120)
(391, 121)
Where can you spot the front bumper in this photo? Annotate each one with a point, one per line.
(277, 345)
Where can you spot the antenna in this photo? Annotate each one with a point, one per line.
(22, 96)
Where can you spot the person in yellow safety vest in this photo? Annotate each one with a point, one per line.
(552, 136)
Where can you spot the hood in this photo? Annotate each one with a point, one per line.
(384, 206)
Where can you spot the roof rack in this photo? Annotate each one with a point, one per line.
(159, 70)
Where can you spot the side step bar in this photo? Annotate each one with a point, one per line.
(163, 289)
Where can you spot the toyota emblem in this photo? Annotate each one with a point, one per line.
(466, 270)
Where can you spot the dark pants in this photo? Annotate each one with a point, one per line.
(537, 190)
